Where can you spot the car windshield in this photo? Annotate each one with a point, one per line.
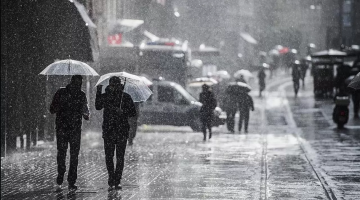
(184, 93)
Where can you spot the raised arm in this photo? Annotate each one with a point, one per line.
(55, 104)
(85, 108)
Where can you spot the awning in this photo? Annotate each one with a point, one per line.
(329, 53)
(82, 10)
(123, 25)
(248, 38)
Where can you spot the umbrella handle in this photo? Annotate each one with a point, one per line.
(122, 94)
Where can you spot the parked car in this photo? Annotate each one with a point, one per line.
(171, 104)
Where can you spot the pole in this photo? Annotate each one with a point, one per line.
(122, 94)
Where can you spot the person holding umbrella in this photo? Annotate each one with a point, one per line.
(262, 76)
(118, 107)
(245, 104)
(70, 106)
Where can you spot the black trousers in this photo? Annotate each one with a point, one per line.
(63, 139)
(206, 119)
(244, 117)
(114, 141)
(356, 101)
(230, 120)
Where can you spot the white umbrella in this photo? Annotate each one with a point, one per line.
(244, 72)
(134, 85)
(201, 81)
(222, 74)
(146, 81)
(69, 67)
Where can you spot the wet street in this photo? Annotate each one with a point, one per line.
(292, 151)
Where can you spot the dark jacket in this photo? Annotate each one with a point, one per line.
(110, 102)
(262, 76)
(69, 104)
(208, 100)
(246, 103)
(296, 73)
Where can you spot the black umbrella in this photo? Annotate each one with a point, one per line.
(235, 88)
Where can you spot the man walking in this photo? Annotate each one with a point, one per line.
(118, 107)
(246, 103)
(261, 76)
(230, 106)
(296, 75)
(207, 98)
(70, 106)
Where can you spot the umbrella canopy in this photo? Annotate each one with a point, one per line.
(222, 74)
(198, 82)
(134, 85)
(274, 52)
(69, 67)
(236, 88)
(146, 81)
(243, 72)
(355, 82)
(329, 53)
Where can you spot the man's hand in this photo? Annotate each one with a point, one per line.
(120, 111)
(252, 109)
(86, 117)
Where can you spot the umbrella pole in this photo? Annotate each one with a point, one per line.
(122, 94)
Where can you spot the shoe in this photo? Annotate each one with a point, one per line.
(111, 182)
(246, 131)
(58, 188)
(73, 187)
(209, 136)
(60, 179)
(204, 139)
(118, 187)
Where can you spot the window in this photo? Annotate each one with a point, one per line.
(150, 98)
(165, 94)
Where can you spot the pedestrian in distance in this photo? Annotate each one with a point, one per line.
(133, 121)
(296, 75)
(246, 104)
(303, 69)
(209, 103)
(231, 106)
(70, 106)
(261, 76)
(118, 107)
(355, 96)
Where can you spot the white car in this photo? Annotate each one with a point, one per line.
(171, 104)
